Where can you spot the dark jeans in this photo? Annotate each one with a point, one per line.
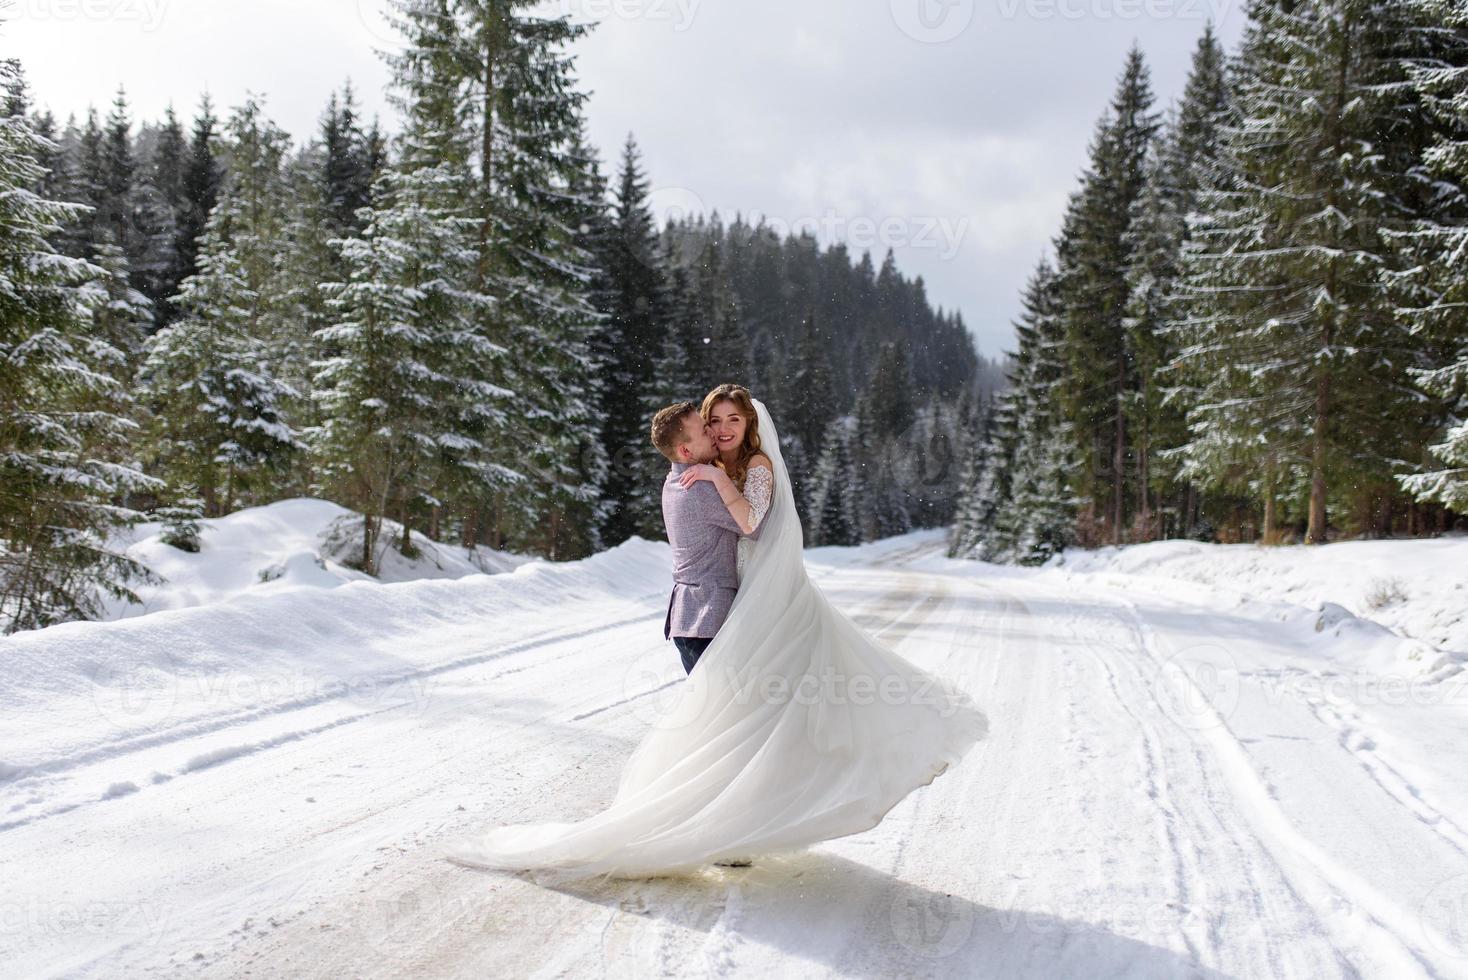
(691, 648)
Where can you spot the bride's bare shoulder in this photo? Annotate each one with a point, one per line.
(760, 459)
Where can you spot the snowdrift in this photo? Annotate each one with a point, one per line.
(81, 689)
(302, 542)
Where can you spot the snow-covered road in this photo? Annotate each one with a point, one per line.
(1169, 789)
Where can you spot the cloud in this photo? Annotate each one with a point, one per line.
(847, 114)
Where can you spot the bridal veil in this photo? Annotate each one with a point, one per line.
(794, 727)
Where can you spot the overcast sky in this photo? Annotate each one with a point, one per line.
(951, 130)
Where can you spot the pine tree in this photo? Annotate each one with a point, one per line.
(121, 315)
(1093, 256)
(51, 156)
(891, 392)
(977, 502)
(719, 348)
(1436, 309)
(346, 172)
(496, 85)
(930, 464)
(1029, 424)
(672, 375)
(112, 220)
(809, 398)
(202, 176)
(832, 503)
(886, 498)
(212, 376)
(163, 272)
(412, 290)
(1042, 468)
(635, 297)
(1287, 271)
(63, 408)
(385, 387)
(1155, 239)
(1189, 157)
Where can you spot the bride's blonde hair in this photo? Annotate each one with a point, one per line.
(739, 395)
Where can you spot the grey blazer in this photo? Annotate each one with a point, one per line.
(704, 537)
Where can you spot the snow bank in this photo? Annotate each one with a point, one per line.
(1392, 606)
(1417, 587)
(81, 690)
(302, 542)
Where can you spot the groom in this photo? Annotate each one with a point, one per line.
(702, 532)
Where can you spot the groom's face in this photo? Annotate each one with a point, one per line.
(700, 445)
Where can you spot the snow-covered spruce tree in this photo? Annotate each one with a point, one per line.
(931, 463)
(1155, 237)
(309, 262)
(885, 495)
(833, 504)
(387, 391)
(891, 392)
(121, 315)
(164, 175)
(115, 180)
(1287, 271)
(210, 378)
(670, 373)
(801, 391)
(1189, 156)
(861, 442)
(1032, 460)
(130, 219)
(406, 383)
(578, 505)
(64, 467)
(719, 349)
(1041, 481)
(1436, 307)
(1155, 408)
(348, 164)
(635, 297)
(110, 231)
(523, 115)
(880, 476)
(973, 519)
(1231, 445)
(202, 175)
(329, 176)
(809, 401)
(1044, 502)
(1092, 259)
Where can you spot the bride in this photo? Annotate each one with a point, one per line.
(795, 726)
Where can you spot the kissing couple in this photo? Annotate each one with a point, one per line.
(799, 726)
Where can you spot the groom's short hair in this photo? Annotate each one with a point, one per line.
(667, 428)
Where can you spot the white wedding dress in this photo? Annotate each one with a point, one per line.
(794, 727)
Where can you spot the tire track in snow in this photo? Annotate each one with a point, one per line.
(1362, 746)
(125, 743)
(1301, 859)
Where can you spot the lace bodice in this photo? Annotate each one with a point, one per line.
(759, 485)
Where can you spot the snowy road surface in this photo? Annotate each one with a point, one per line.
(1169, 789)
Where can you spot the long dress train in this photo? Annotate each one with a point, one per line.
(794, 727)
